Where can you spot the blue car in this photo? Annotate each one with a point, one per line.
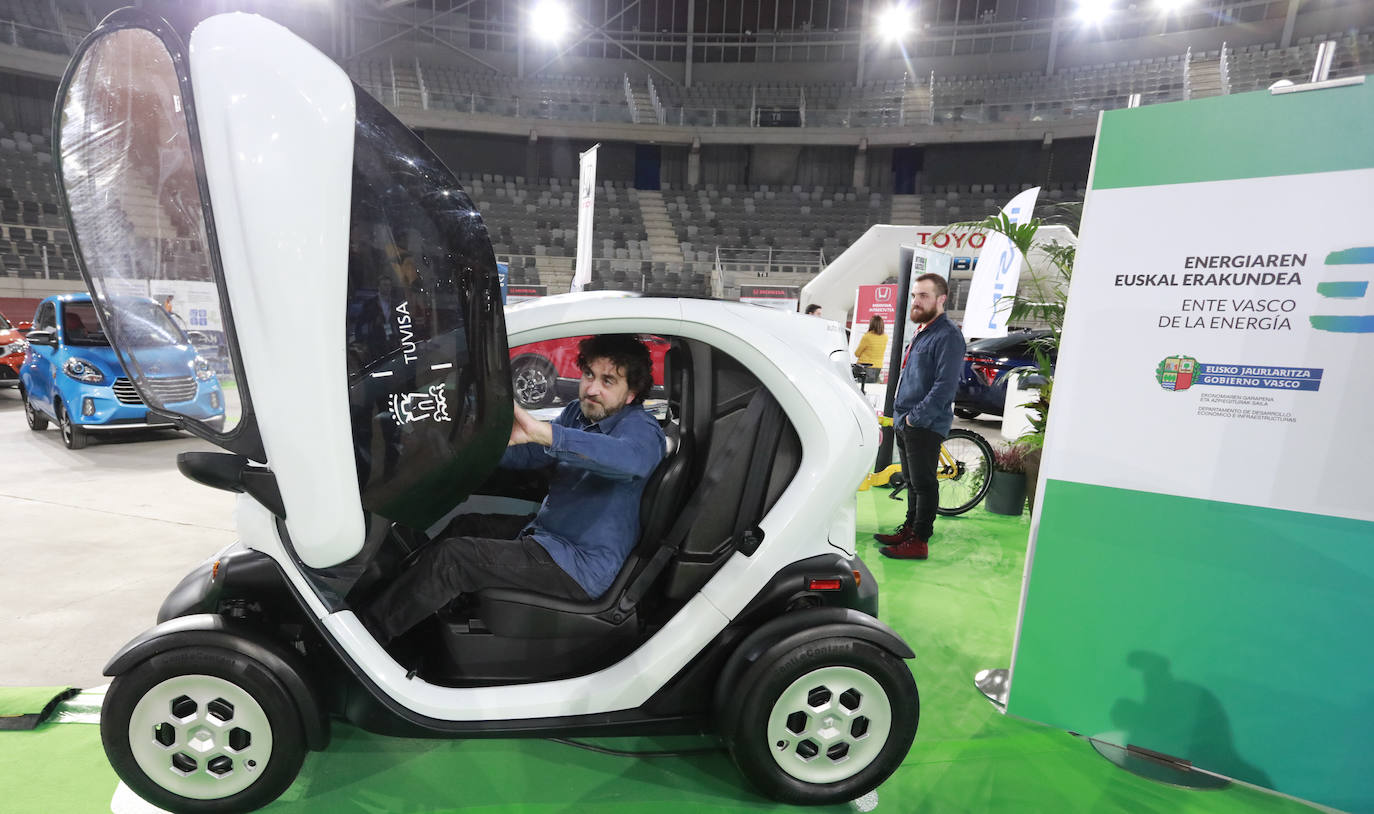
(71, 375)
(983, 387)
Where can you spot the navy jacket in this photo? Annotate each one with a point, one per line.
(930, 378)
(590, 520)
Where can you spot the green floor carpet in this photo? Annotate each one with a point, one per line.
(26, 707)
(958, 611)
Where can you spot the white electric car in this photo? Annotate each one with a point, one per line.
(357, 288)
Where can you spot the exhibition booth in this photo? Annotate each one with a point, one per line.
(1176, 623)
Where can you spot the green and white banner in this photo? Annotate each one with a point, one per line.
(1201, 574)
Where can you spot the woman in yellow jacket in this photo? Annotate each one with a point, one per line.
(872, 347)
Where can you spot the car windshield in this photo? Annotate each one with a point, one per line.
(5, 324)
(140, 324)
(79, 325)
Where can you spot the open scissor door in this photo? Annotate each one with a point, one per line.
(346, 280)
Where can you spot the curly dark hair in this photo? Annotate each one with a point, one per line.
(627, 353)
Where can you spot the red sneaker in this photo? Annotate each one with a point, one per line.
(910, 550)
(902, 534)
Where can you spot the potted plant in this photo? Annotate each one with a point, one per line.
(1041, 299)
(1007, 492)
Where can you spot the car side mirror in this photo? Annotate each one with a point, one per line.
(1032, 381)
(198, 338)
(48, 338)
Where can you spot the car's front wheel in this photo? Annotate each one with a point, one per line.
(201, 729)
(37, 421)
(825, 722)
(73, 435)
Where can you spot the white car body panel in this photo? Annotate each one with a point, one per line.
(788, 353)
(281, 208)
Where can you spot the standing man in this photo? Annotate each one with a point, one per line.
(923, 412)
(813, 310)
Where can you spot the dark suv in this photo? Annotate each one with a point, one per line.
(983, 387)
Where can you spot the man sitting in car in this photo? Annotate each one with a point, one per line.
(602, 448)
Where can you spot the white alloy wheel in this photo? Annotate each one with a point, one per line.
(829, 724)
(200, 736)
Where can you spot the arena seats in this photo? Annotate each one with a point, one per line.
(33, 234)
(1078, 91)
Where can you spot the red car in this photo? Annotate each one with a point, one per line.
(12, 347)
(546, 373)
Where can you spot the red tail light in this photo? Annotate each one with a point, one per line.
(825, 585)
(984, 368)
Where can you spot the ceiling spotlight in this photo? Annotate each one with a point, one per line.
(549, 20)
(895, 22)
(1093, 11)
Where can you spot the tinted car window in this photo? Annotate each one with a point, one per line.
(429, 378)
(4, 323)
(80, 326)
(46, 319)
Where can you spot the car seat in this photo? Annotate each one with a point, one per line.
(75, 326)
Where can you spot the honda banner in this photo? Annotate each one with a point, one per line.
(778, 297)
(873, 301)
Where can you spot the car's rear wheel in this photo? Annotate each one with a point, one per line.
(200, 729)
(37, 421)
(73, 436)
(825, 722)
(534, 380)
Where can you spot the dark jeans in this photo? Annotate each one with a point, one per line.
(475, 552)
(920, 453)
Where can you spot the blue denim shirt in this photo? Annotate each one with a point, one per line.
(930, 378)
(590, 520)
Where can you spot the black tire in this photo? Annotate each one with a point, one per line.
(267, 749)
(964, 484)
(966, 413)
(535, 382)
(73, 436)
(37, 421)
(853, 677)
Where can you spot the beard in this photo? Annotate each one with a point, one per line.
(917, 315)
(595, 411)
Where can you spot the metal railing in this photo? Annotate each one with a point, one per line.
(767, 261)
(1224, 68)
(1188, 74)
(653, 99)
(557, 109)
(630, 100)
(34, 37)
(420, 82)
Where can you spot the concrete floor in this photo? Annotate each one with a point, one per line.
(91, 542)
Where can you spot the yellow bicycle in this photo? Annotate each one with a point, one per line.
(964, 471)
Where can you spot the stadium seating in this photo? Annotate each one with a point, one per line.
(33, 234)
